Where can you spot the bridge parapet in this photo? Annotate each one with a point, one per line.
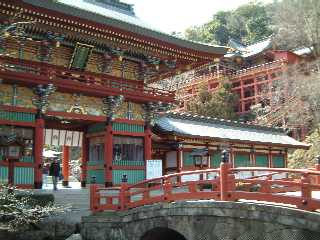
(203, 220)
(223, 183)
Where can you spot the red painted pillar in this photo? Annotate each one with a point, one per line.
(84, 160)
(108, 154)
(224, 171)
(38, 149)
(65, 165)
(179, 160)
(147, 145)
(317, 168)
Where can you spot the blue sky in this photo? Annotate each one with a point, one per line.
(177, 15)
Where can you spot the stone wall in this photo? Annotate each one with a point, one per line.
(204, 221)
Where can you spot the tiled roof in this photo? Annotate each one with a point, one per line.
(250, 50)
(108, 16)
(219, 129)
(303, 51)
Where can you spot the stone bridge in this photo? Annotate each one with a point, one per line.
(203, 220)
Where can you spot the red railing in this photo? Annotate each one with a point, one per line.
(224, 183)
(53, 72)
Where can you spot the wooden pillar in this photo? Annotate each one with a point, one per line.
(179, 160)
(108, 153)
(65, 165)
(317, 168)
(285, 158)
(252, 157)
(10, 172)
(84, 160)
(147, 142)
(255, 91)
(270, 158)
(232, 157)
(38, 149)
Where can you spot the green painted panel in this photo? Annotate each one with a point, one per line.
(241, 160)
(4, 175)
(134, 176)
(17, 116)
(98, 127)
(26, 159)
(23, 175)
(125, 127)
(95, 163)
(187, 159)
(215, 160)
(128, 163)
(262, 161)
(99, 174)
(278, 161)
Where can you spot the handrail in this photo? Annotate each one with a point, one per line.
(245, 71)
(218, 184)
(90, 78)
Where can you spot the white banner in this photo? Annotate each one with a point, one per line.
(63, 138)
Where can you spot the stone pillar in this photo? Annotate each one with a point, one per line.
(84, 160)
(38, 151)
(108, 153)
(65, 165)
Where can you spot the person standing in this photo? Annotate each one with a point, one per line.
(54, 171)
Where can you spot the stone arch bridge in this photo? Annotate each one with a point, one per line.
(203, 220)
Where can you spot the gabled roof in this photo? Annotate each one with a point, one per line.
(249, 50)
(87, 10)
(222, 130)
(303, 51)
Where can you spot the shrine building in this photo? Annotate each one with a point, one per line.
(78, 74)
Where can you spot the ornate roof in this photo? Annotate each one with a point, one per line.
(102, 12)
(183, 124)
(249, 50)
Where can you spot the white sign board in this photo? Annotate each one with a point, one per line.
(154, 168)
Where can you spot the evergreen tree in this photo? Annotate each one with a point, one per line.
(248, 23)
(219, 103)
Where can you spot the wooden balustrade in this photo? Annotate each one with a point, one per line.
(216, 184)
(52, 72)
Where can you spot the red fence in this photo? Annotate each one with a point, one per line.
(224, 183)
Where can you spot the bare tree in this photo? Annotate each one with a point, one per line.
(296, 24)
(292, 100)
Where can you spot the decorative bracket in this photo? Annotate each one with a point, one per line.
(151, 110)
(41, 100)
(110, 104)
(106, 66)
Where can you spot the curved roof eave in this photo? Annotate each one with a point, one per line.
(127, 26)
